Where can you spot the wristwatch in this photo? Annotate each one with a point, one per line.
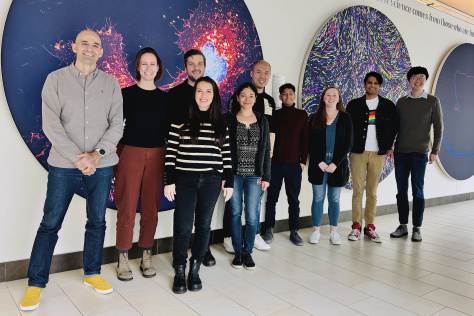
(100, 151)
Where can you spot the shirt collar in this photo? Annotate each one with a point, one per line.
(78, 74)
(424, 95)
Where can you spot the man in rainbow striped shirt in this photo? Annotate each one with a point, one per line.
(374, 122)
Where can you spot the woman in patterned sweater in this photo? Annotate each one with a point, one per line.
(250, 147)
(198, 165)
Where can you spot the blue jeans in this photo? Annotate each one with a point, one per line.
(291, 172)
(62, 183)
(196, 197)
(251, 188)
(319, 194)
(414, 164)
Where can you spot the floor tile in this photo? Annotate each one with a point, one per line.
(293, 311)
(157, 301)
(7, 303)
(330, 289)
(452, 300)
(402, 299)
(316, 304)
(449, 284)
(89, 302)
(219, 305)
(375, 307)
(124, 311)
(448, 312)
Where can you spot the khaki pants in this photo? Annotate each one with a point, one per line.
(371, 164)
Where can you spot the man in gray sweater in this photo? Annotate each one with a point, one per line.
(416, 113)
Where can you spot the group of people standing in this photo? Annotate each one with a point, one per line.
(252, 150)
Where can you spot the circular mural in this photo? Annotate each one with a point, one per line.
(454, 86)
(352, 43)
(38, 35)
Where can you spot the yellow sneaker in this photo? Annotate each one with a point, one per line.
(100, 285)
(31, 300)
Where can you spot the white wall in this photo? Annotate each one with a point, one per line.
(286, 29)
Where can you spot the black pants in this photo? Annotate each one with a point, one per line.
(196, 197)
(291, 173)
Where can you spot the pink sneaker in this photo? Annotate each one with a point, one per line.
(355, 233)
(370, 233)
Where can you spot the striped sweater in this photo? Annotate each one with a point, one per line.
(204, 157)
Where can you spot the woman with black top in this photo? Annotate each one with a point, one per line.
(330, 140)
(250, 147)
(198, 166)
(139, 173)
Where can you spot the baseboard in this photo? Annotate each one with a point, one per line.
(15, 270)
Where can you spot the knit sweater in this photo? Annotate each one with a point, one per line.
(145, 115)
(415, 118)
(291, 135)
(204, 157)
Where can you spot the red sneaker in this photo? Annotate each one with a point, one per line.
(355, 233)
(370, 233)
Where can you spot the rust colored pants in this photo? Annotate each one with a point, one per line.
(139, 173)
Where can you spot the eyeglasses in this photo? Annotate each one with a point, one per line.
(421, 78)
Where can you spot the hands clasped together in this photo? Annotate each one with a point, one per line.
(88, 162)
(327, 168)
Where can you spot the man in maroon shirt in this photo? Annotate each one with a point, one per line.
(288, 161)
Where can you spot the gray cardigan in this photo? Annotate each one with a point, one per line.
(263, 161)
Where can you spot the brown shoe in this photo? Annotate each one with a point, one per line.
(146, 267)
(124, 273)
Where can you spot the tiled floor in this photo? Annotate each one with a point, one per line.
(396, 277)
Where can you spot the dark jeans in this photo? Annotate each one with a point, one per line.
(414, 164)
(248, 189)
(196, 197)
(62, 183)
(291, 172)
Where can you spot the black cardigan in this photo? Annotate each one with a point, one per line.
(342, 146)
(263, 161)
(385, 123)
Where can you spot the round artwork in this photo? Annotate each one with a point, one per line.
(454, 86)
(352, 43)
(223, 30)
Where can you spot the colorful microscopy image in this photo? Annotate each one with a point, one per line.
(352, 43)
(223, 30)
(454, 87)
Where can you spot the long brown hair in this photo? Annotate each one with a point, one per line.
(218, 120)
(320, 117)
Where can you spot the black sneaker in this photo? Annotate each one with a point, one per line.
(401, 231)
(248, 262)
(237, 262)
(209, 259)
(268, 236)
(295, 238)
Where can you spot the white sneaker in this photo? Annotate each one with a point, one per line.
(335, 238)
(228, 245)
(260, 244)
(314, 238)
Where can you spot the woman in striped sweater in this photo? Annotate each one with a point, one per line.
(198, 165)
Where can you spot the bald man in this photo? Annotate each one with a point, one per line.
(82, 118)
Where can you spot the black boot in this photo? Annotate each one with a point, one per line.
(209, 259)
(194, 282)
(179, 283)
